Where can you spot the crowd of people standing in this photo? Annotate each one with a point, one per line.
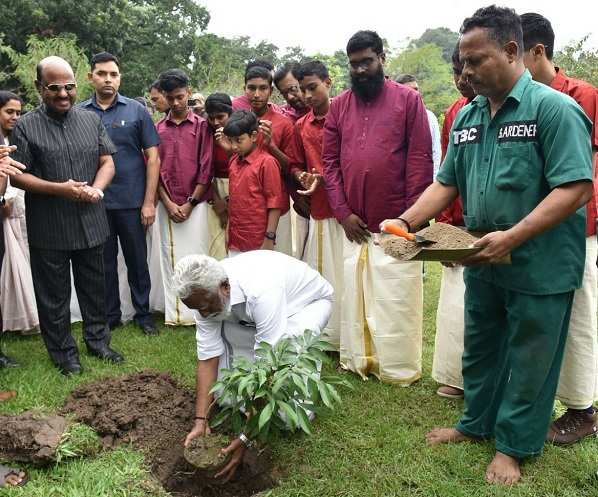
(316, 179)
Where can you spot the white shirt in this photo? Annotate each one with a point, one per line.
(436, 148)
(272, 286)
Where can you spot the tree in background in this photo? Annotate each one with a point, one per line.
(444, 38)
(433, 74)
(38, 48)
(578, 61)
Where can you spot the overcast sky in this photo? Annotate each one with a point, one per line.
(326, 25)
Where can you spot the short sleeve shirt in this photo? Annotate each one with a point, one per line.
(504, 167)
(255, 185)
(131, 129)
(57, 150)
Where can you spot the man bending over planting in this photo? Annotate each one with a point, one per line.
(239, 302)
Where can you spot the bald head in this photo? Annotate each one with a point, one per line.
(53, 64)
(56, 84)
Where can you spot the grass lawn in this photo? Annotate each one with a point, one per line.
(372, 446)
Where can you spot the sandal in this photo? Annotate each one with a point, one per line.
(6, 473)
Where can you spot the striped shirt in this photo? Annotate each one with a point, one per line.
(57, 150)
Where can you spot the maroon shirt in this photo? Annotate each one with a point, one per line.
(377, 155)
(185, 156)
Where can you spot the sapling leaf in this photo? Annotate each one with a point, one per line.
(265, 415)
(303, 420)
(300, 383)
(290, 413)
(220, 418)
(324, 394)
(333, 393)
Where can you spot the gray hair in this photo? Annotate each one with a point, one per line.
(197, 272)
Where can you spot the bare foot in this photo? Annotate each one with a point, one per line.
(445, 435)
(503, 469)
(7, 395)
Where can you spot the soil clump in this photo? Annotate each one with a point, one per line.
(31, 437)
(446, 237)
(151, 411)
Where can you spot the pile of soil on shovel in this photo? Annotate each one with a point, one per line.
(445, 237)
(151, 411)
(31, 437)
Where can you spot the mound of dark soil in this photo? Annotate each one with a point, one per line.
(30, 437)
(154, 413)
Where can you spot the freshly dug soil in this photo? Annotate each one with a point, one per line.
(154, 413)
(31, 437)
(446, 237)
(206, 452)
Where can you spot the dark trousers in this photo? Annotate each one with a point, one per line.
(514, 345)
(52, 285)
(125, 225)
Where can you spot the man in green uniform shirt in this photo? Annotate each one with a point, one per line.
(520, 157)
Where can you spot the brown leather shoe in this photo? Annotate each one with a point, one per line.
(449, 392)
(572, 427)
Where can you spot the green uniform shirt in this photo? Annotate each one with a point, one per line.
(505, 166)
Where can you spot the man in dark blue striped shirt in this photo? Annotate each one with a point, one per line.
(69, 164)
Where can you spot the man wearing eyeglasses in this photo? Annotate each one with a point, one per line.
(377, 159)
(68, 156)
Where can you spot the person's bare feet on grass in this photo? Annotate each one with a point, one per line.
(503, 469)
(445, 435)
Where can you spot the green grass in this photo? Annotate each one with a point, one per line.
(372, 446)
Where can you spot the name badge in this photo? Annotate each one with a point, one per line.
(473, 134)
(518, 131)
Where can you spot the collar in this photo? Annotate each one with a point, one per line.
(313, 119)
(516, 92)
(559, 81)
(191, 117)
(236, 294)
(93, 102)
(249, 159)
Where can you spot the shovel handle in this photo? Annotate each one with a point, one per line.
(397, 230)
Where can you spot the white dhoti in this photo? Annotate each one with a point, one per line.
(323, 252)
(579, 373)
(216, 231)
(240, 339)
(381, 315)
(284, 235)
(178, 240)
(450, 326)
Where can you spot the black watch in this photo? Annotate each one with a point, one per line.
(270, 235)
(2, 201)
(192, 201)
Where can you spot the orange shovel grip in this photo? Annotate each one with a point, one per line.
(397, 230)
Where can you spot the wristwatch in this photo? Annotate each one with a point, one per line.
(100, 192)
(2, 201)
(193, 201)
(270, 235)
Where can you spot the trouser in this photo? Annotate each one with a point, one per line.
(125, 226)
(322, 252)
(514, 345)
(1, 261)
(240, 339)
(448, 346)
(178, 240)
(381, 315)
(579, 374)
(52, 285)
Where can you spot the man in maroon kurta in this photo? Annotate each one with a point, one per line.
(377, 155)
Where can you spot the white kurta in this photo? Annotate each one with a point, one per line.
(178, 240)
(274, 295)
(381, 315)
(323, 253)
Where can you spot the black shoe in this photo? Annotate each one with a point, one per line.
(7, 362)
(69, 368)
(115, 324)
(106, 353)
(148, 328)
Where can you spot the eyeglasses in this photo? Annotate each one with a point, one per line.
(55, 88)
(293, 90)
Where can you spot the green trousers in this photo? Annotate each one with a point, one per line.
(514, 345)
